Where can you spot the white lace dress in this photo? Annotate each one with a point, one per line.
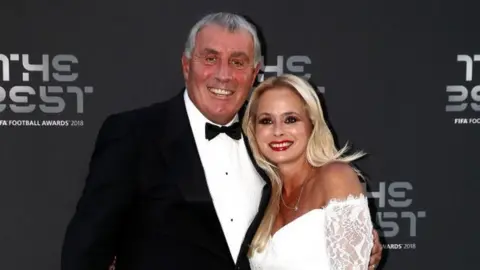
(336, 237)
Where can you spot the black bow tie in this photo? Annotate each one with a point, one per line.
(234, 131)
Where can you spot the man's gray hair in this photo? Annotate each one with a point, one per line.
(232, 22)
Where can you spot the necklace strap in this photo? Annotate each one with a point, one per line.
(295, 208)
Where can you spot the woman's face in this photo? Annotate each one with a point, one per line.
(282, 126)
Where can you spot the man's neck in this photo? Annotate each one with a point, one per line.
(221, 121)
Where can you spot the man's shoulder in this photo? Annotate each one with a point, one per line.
(145, 114)
(137, 114)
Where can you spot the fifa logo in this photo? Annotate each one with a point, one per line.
(49, 96)
(295, 64)
(462, 97)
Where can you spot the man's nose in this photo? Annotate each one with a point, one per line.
(224, 72)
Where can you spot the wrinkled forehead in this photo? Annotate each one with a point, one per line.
(223, 41)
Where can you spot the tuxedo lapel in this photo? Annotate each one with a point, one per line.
(178, 148)
(180, 151)
(266, 193)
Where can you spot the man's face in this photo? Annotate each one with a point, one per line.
(221, 72)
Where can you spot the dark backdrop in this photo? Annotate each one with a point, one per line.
(398, 80)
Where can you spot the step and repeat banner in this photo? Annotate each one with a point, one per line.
(400, 81)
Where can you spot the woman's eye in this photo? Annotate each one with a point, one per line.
(291, 120)
(265, 121)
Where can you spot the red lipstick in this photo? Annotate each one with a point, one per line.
(280, 145)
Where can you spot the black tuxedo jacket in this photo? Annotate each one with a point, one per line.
(146, 199)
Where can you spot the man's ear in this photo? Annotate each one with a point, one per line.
(255, 72)
(257, 69)
(185, 67)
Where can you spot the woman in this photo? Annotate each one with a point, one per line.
(317, 217)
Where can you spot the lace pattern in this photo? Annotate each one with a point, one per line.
(348, 232)
(337, 236)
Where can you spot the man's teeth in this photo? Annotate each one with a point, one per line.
(285, 144)
(222, 92)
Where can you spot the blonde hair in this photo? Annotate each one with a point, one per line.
(320, 150)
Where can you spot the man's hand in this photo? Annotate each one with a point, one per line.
(376, 255)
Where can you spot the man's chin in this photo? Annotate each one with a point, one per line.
(224, 116)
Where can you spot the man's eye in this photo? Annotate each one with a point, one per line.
(238, 63)
(210, 59)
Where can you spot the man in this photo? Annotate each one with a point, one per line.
(168, 188)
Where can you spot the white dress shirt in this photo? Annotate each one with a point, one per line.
(234, 184)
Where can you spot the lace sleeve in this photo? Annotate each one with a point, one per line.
(349, 233)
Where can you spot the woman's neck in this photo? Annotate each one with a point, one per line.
(293, 175)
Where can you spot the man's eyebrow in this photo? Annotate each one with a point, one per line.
(208, 51)
(239, 54)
